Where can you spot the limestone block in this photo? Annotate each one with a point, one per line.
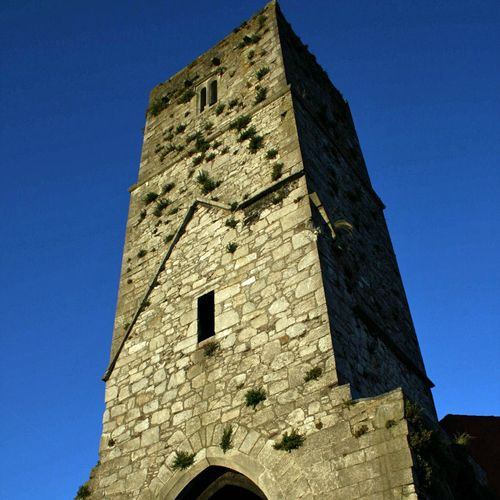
(150, 436)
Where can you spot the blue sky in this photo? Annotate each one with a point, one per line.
(423, 82)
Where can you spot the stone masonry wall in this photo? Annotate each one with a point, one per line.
(170, 152)
(256, 238)
(373, 335)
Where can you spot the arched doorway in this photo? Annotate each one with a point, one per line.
(218, 483)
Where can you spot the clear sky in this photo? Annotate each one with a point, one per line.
(423, 82)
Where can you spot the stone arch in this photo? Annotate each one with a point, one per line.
(245, 469)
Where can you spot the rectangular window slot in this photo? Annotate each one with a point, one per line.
(213, 92)
(206, 316)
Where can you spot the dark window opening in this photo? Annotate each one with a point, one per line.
(213, 92)
(203, 98)
(206, 316)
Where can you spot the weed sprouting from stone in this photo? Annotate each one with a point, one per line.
(225, 440)
(290, 441)
(231, 222)
(254, 396)
(390, 423)
(462, 439)
(277, 171)
(313, 374)
(183, 460)
(262, 72)
(206, 183)
(161, 204)
(348, 403)
(240, 123)
(186, 96)
(231, 247)
(158, 105)
(271, 154)
(261, 94)
(83, 492)
(150, 197)
(247, 134)
(362, 429)
(256, 143)
(167, 187)
(210, 349)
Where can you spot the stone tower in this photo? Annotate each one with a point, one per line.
(260, 308)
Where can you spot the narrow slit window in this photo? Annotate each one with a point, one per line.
(203, 99)
(206, 316)
(213, 92)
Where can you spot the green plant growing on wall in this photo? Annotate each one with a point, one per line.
(142, 215)
(168, 238)
(210, 348)
(290, 442)
(348, 403)
(111, 442)
(251, 55)
(233, 103)
(247, 134)
(83, 492)
(231, 222)
(261, 20)
(255, 396)
(167, 187)
(271, 154)
(422, 441)
(313, 374)
(249, 40)
(262, 72)
(216, 144)
(240, 123)
(158, 105)
(183, 460)
(180, 128)
(225, 440)
(206, 183)
(186, 96)
(201, 144)
(173, 211)
(161, 204)
(277, 171)
(210, 157)
(256, 143)
(261, 94)
(231, 247)
(141, 253)
(362, 429)
(463, 439)
(390, 423)
(150, 197)
(198, 159)
(220, 109)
